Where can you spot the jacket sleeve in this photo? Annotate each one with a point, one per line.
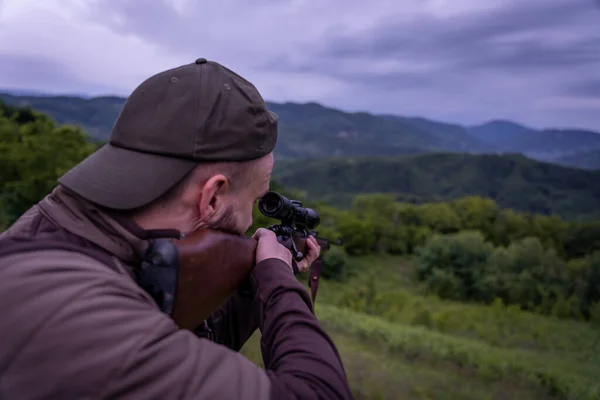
(300, 358)
(83, 331)
(234, 322)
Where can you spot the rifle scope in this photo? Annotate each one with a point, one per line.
(289, 212)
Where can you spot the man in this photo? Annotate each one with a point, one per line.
(192, 148)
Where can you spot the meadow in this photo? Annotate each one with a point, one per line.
(399, 343)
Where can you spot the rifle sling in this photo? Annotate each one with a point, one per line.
(313, 279)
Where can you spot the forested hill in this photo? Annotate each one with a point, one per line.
(513, 181)
(585, 159)
(312, 130)
(548, 144)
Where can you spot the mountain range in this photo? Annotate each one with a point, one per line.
(413, 159)
(311, 130)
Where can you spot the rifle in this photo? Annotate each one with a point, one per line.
(192, 277)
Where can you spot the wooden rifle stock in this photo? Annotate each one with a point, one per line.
(212, 267)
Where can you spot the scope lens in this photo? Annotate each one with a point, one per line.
(312, 218)
(270, 203)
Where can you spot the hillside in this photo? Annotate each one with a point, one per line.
(514, 181)
(585, 160)
(500, 133)
(311, 130)
(95, 115)
(316, 131)
(548, 144)
(306, 130)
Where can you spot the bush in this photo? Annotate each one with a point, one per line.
(445, 260)
(583, 282)
(359, 236)
(445, 284)
(335, 264)
(528, 275)
(582, 238)
(595, 313)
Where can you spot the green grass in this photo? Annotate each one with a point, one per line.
(397, 342)
(386, 289)
(560, 376)
(375, 374)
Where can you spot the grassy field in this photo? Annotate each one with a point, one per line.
(398, 343)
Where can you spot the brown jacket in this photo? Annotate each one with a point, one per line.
(77, 327)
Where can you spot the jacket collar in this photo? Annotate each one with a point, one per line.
(113, 231)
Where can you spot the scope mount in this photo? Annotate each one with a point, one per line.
(285, 233)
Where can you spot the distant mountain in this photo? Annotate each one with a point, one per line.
(547, 144)
(454, 137)
(585, 160)
(311, 130)
(306, 130)
(501, 134)
(96, 114)
(514, 181)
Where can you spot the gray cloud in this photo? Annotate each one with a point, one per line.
(510, 58)
(44, 74)
(586, 88)
(156, 20)
(524, 35)
(466, 61)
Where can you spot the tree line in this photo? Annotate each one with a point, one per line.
(470, 249)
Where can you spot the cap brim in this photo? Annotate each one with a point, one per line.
(123, 179)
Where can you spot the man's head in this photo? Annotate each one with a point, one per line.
(192, 147)
(215, 195)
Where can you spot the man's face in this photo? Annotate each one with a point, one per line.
(238, 216)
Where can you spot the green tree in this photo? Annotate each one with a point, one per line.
(34, 153)
(358, 234)
(550, 230)
(581, 238)
(476, 213)
(463, 255)
(584, 283)
(440, 217)
(335, 264)
(510, 226)
(380, 213)
(526, 274)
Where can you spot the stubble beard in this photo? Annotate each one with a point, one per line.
(227, 222)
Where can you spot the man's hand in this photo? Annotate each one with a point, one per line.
(314, 251)
(269, 247)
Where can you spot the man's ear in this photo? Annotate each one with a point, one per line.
(212, 196)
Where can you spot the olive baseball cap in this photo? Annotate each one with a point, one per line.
(176, 119)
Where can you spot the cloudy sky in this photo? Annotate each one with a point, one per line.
(468, 61)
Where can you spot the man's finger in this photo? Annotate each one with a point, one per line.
(313, 247)
(303, 265)
(262, 232)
